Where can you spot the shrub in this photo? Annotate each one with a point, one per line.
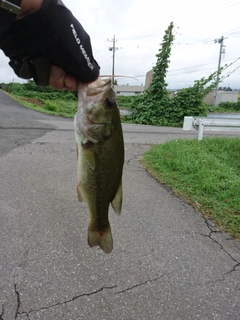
(50, 106)
(126, 102)
(230, 105)
(15, 88)
(31, 90)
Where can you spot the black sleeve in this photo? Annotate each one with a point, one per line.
(54, 34)
(7, 17)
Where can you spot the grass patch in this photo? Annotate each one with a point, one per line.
(205, 173)
(56, 107)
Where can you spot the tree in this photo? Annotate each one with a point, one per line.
(149, 106)
(158, 87)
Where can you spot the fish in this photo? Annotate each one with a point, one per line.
(100, 158)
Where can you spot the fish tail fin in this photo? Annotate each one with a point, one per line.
(103, 239)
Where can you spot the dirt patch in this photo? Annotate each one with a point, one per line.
(31, 100)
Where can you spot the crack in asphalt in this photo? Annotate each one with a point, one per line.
(27, 313)
(18, 301)
(234, 269)
(59, 303)
(214, 240)
(136, 156)
(135, 286)
(237, 263)
(2, 313)
(143, 283)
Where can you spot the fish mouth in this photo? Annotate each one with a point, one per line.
(97, 87)
(92, 93)
(90, 123)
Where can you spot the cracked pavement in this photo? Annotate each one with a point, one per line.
(168, 261)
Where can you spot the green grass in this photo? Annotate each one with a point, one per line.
(205, 173)
(56, 107)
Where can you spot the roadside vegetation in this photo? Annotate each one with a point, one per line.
(43, 99)
(205, 173)
(46, 99)
(64, 103)
(226, 107)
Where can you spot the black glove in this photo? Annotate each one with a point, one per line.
(49, 36)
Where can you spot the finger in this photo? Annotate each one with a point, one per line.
(70, 83)
(57, 76)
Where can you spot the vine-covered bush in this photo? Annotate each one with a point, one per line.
(156, 107)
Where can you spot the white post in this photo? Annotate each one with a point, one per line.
(200, 130)
(187, 124)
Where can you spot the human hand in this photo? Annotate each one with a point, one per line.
(58, 79)
(63, 49)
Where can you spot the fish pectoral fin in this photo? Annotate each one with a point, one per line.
(90, 157)
(117, 201)
(80, 197)
(102, 239)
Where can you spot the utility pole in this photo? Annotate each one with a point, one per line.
(113, 49)
(219, 65)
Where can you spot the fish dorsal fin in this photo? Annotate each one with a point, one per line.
(117, 201)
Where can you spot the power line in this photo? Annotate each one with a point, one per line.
(142, 34)
(229, 6)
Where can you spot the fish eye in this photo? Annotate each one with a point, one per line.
(109, 102)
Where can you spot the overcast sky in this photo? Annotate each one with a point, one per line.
(139, 26)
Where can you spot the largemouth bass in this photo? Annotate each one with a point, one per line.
(100, 151)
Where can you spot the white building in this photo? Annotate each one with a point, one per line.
(128, 90)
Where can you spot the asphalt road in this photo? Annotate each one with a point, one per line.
(168, 262)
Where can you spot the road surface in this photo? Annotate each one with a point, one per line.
(168, 262)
